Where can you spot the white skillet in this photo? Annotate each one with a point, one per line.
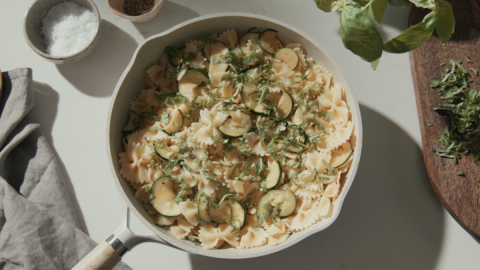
(108, 253)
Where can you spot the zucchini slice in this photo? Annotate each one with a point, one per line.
(162, 198)
(236, 124)
(214, 48)
(294, 131)
(133, 122)
(164, 153)
(273, 177)
(253, 30)
(204, 214)
(288, 56)
(194, 239)
(239, 215)
(274, 198)
(266, 40)
(190, 82)
(175, 122)
(248, 95)
(222, 214)
(285, 106)
(342, 160)
(246, 50)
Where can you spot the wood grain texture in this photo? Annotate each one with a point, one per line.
(459, 195)
(102, 257)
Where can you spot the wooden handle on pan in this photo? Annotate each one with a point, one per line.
(102, 257)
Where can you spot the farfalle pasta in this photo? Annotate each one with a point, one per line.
(238, 142)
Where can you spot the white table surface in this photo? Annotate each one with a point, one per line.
(391, 218)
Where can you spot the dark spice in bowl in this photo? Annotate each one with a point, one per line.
(138, 7)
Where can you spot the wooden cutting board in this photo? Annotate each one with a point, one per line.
(459, 195)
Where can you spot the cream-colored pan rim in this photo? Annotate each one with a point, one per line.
(193, 28)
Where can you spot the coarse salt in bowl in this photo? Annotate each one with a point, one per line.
(62, 31)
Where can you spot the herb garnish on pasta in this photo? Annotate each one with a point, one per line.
(238, 142)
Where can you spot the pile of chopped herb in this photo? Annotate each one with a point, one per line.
(462, 106)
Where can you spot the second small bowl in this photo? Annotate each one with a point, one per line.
(116, 6)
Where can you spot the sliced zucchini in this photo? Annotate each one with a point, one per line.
(288, 56)
(274, 198)
(175, 122)
(285, 106)
(246, 50)
(238, 214)
(283, 187)
(164, 153)
(342, 160)
(222, 214)
(253, 30)
(194, 239)
(236, 124)
(294, 132)
(266, 40)
(248, 95)
(203, 204)
(133, 122)
(215, 48)
(273, 177)
(190, 82)
(162, 197)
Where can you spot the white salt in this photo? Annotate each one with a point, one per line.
(68, 28)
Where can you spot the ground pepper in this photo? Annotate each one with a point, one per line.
(137, 7)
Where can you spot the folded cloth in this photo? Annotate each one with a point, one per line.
(38, 225)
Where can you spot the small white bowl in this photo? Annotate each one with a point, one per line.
(35, 39)
(116, 6)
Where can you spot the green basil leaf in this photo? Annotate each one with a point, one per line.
(430, 4)
(399, 3)
(359, 35)
(375, 63)
(329, 5)
(362, 3)
(413, 36)
(376, 10)
(446, 21)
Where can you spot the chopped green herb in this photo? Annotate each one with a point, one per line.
(442, 64)
(461, 104)
(461, 174)
(468, 60)
(429, 124)
(474, 71)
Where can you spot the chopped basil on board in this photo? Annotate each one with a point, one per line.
(461, 104)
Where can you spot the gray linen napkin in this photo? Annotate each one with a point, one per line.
(38, 226)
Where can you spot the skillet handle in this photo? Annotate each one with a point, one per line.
(102, 257)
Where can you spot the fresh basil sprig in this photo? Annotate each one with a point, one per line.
(360, 35)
